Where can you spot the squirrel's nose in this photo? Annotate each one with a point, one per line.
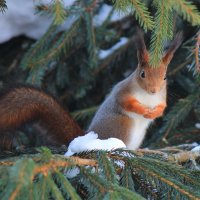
(153, 90)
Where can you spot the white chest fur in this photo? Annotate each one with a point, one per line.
(148, 99)
(140, 124)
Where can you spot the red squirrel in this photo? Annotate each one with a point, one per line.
(137, 100)
(125, 114)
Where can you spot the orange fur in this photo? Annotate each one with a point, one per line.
(155, 112)
(131, 104)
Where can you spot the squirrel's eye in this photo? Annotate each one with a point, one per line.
(142, 74)
(165, 77)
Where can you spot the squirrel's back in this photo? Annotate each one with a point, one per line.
(22, 104)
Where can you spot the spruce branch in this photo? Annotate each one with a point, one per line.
(41, 188)
(83, 113)
(72, 161)
(55, 191)
(126, 194)
(127, 180)
(27, 61)
(44, 176)
(108, 189)
(90, 32)
(163, 30)
(192, 46)
(162, 27)
(197, 53)
(53, 165)
(187, 10)
(171, 182)
(108, 168)
(21, 175)
(185, 156)
(97, 182)
(68, 189)
(175, 116)
(167, 174)
(179, 112)
(46, 50)
(58, 11)
(140, 11)
(59, 46)
(142, 15)
(3, 6)
(113, 59)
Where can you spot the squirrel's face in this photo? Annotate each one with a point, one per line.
(151, 79)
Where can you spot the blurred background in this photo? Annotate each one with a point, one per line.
(78, 50)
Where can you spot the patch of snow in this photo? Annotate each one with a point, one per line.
(117, 15)
(127, 154)
(69, 152)
(194, 144)
(90, 142)
(71, 173)
(120, 163)
(197, 125)
(67, 2)
(20, 19)
(197, 148)
(104, 13)
(105, 53)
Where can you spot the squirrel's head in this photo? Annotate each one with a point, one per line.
(153, 79)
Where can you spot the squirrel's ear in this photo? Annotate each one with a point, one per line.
(174, 45)
(142, 53)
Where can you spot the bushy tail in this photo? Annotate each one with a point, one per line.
(23, 104)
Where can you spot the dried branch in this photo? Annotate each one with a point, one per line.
(197, 53)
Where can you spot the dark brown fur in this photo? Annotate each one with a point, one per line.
(22, 104)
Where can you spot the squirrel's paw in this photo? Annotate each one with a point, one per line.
(150, 114)
(155, 112)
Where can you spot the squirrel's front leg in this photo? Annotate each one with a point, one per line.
(131, 104)
(155, 112)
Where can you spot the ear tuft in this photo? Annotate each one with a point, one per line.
(142, 53)
(174, 45)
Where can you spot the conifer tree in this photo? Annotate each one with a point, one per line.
(168, 173)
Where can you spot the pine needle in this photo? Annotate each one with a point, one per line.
(162, 31)
(140, 11)
(83, 113)
(187, 10)
(3, 6)
(59, 12)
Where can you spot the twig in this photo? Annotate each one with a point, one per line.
(6, 163)
(184, 156)
(148, 151)
(91, 7)
(197, 53)
(53, 165)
